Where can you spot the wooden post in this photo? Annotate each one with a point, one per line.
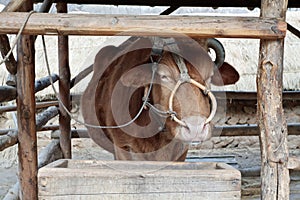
(26, 115)
(64, 89)
(271, 120)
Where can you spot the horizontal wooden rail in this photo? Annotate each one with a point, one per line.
(193, 26)
(237, 130)
(232, 95)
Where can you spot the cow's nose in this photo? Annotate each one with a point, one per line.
(195, 129)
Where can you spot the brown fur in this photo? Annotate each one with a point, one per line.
(138, 145)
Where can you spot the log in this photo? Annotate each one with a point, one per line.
(11, 80)
(193, 26)
(27, 146)
(44, 82)
(11, 63)
(38, 105)
(47, 155)
(64, 89)
(232, 95)
(44, 117)
(13, 6)
(271, 121)
(7, 93)
(11, 138)
(81, 75)
(233, 131)
(45, 7)
(8, 140)
(50, 153)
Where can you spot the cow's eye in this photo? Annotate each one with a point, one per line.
(164, 77)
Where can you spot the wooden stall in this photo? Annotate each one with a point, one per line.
(270, 27)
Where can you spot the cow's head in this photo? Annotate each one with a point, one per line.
(191, 104)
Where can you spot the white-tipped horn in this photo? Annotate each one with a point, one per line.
(217, 46)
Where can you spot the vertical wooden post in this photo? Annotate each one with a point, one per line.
(26, 115)
(271, 120)
(64, 89)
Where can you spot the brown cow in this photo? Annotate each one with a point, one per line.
(122, 77)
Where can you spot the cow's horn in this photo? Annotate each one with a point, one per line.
(217, 46)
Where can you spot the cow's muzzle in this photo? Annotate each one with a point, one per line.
(206, 91)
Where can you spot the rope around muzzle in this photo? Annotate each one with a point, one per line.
(201, 87)
(185, 78)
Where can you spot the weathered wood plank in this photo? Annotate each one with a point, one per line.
(271, 121)
(194, 26)
(141, 179)
(156, 196)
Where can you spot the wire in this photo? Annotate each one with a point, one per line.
(91, 125)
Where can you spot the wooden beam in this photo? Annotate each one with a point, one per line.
(271, 121)
(44, 82)
(11, 138)
(287, 95)
(27, 146)
(8, 93)
(64, 89)
(193, 26)
(233, 131)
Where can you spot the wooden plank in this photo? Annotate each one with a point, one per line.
(190, 3)
(271, 121)
(64, 89)
(144, 179)
(194, 26)
(158, 196)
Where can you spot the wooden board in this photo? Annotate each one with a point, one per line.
(94, 24)
(77, 179)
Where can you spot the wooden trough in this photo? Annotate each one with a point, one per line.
(80, 179)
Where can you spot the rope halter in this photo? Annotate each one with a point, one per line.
(184, 78)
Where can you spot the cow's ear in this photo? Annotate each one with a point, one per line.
(137, 77)
(225, 75)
